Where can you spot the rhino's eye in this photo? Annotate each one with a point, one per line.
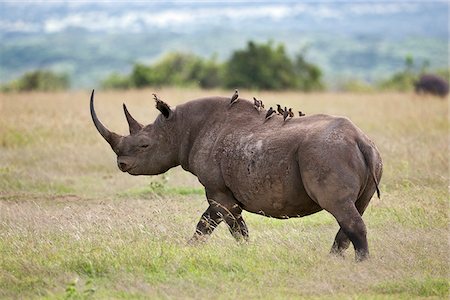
(144, 146)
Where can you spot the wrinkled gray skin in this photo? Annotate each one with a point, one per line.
(268, 167)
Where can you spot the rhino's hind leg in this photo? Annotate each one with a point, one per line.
(238, 228)
(341, 243)
(352, 226)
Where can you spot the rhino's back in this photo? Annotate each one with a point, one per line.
(259, 159)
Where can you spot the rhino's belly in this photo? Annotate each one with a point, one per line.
(274, 189)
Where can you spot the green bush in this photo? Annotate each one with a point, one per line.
(210, 75)
(404, 80)
(401, 82)
(39, 80)
(265, 66)
(143, 76)
(259, 66)
(309, 76)
(177, 69)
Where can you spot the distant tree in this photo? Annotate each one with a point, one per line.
(267, 66)
(143, 76)
(178, 69)
(39, 80)
(260, 66)
(210, 75)
(409, 64)
(309, 76)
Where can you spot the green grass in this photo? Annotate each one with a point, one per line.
(426, 287)
(13, 138)
(155, 188)
(73, 226)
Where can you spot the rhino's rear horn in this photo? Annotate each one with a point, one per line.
(111, 137)
(134, 125)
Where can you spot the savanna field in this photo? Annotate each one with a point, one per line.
(73, 226)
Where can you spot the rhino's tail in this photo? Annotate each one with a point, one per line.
(370, 156)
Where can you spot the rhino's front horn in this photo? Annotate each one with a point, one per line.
(111, 137)
(134, 125)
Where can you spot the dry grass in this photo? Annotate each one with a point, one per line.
(72, 225)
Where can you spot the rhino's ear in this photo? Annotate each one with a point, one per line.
(163, 107)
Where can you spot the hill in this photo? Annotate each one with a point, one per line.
(89, 40)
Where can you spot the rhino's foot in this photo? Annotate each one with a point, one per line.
(337, 253)
(197, 239)
(238, 228)
(341, 243)
(241, 239)
(361, 255)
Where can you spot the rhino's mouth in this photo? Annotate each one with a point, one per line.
(132, 171)
(129, 168)
(124, 167)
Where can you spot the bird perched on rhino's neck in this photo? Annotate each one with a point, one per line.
(258, 104)
(300, 114)
(235, 97)
(280, 110)
(291, 113)
(270, 112)
(163, 107)
(285, 113)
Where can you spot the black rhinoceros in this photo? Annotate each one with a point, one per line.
(275, 168)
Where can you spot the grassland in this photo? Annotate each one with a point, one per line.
(73, 226)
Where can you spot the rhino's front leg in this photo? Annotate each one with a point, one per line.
(222, 207)
(208, 222)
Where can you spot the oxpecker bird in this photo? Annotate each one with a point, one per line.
(235, 97)
(285, 113)
(258, 104)
(162, 106)
(291, 113)
(300, 114)
(270, 112)
(280, 110)
(261, 104)
(159, 102)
